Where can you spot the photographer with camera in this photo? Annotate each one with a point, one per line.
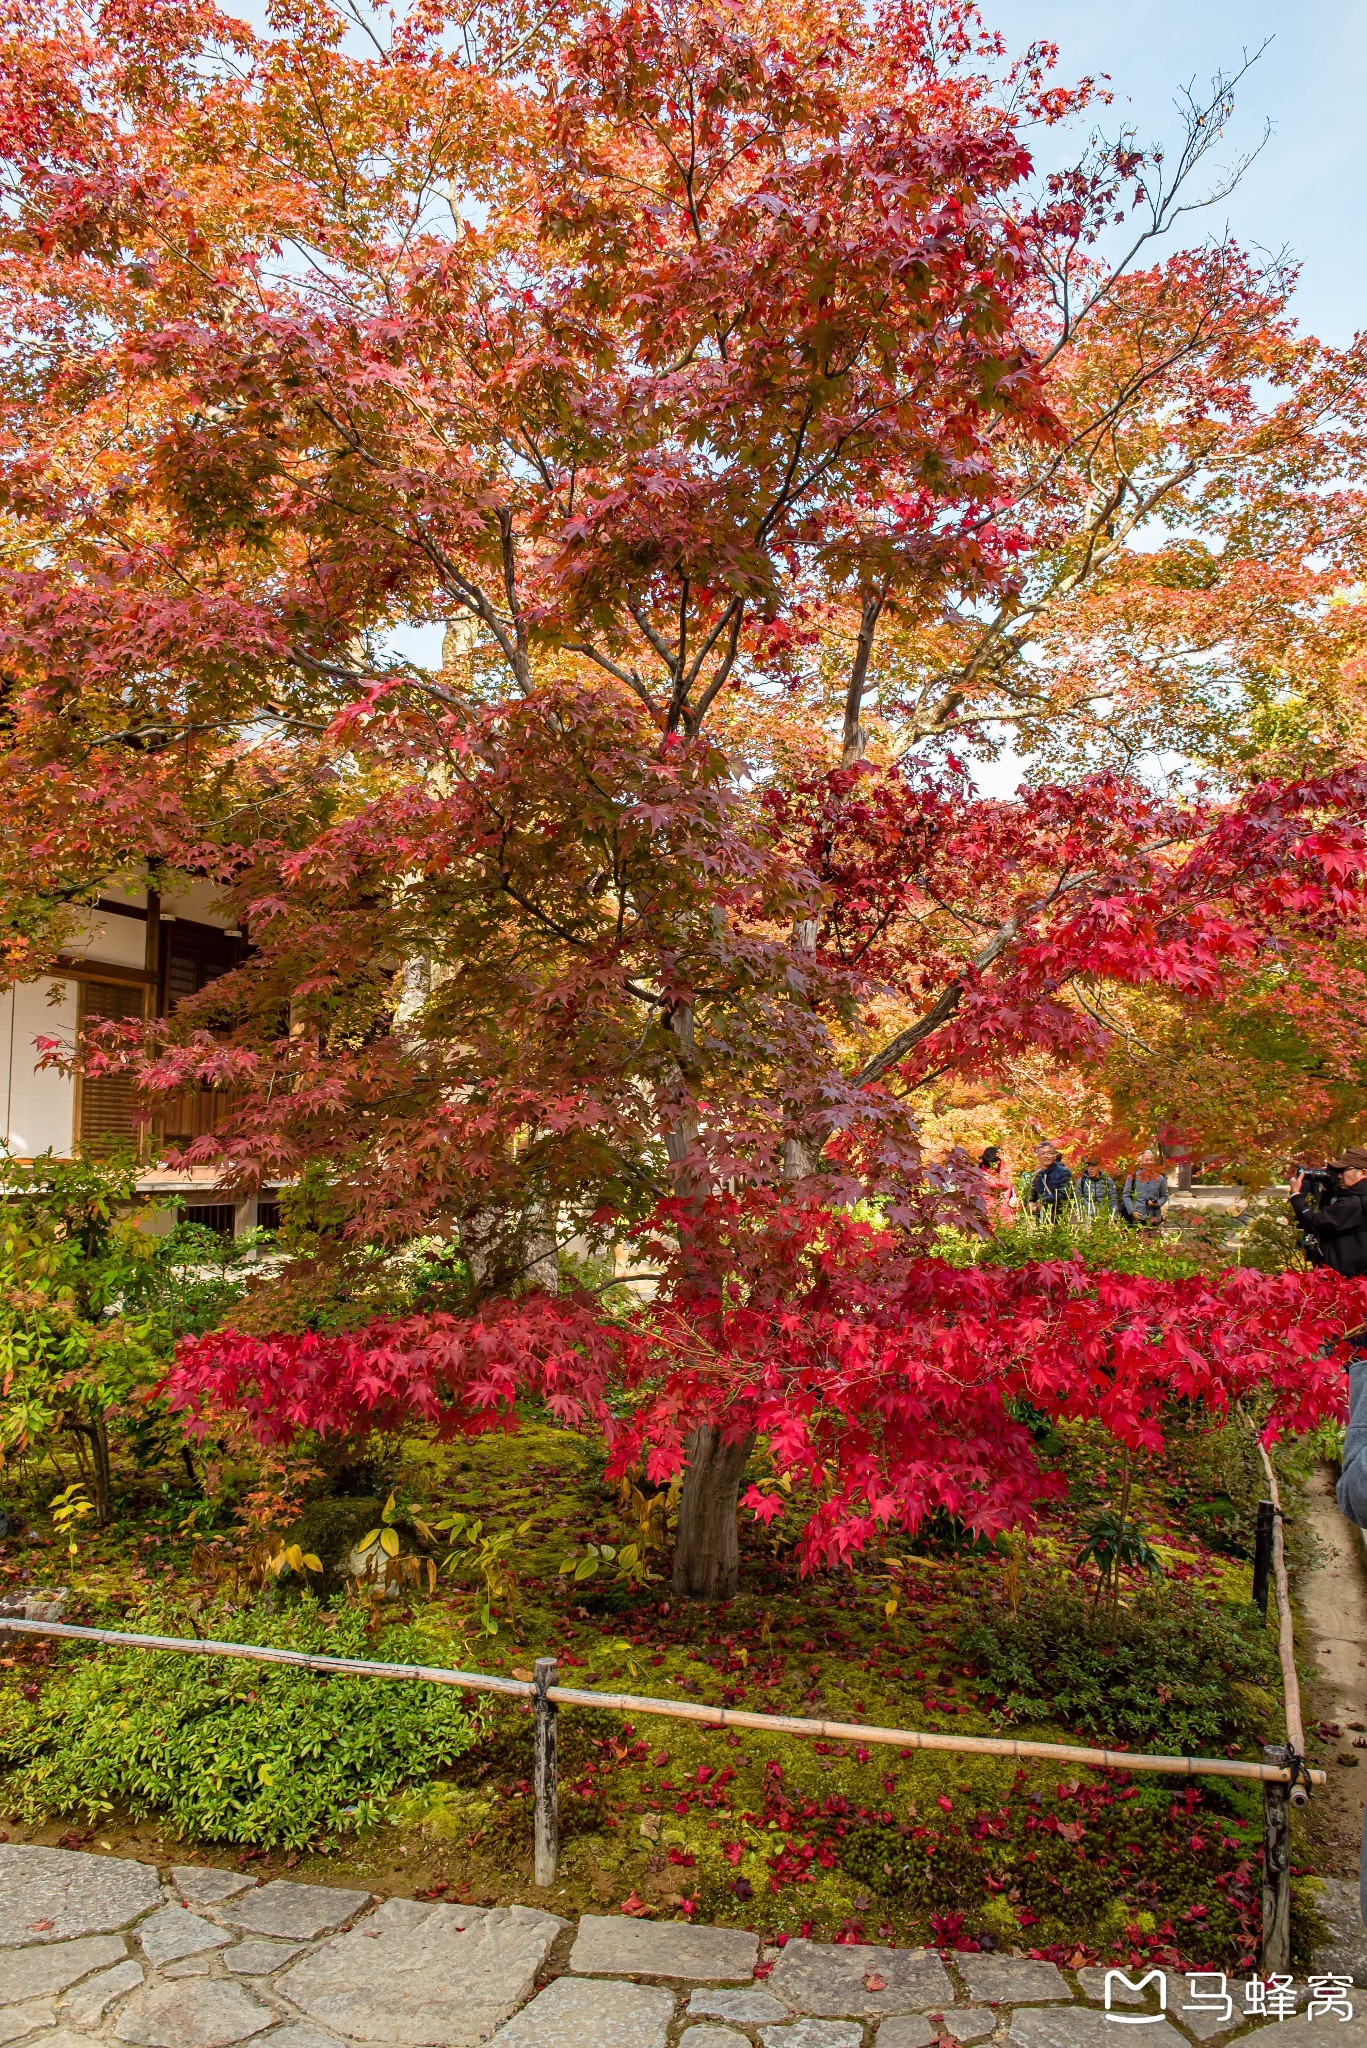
(1330, 1205)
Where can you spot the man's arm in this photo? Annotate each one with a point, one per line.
(1352, 1486)
(1335, 1219)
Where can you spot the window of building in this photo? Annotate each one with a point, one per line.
(220, 1217)
(106, 1103)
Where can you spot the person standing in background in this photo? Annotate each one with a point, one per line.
(1145, 1194)
(1051, 1189)
(999, 1194)
(1095, 1191)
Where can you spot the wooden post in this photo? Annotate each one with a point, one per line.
(1262, 1555)
(546, 1775)
(1275, 1953)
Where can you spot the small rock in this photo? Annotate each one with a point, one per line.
(36, 1972)
(412, 1974)
(18, 2020)
(813, 2034)
(301, 2037)
(1349, 1760)
(1082, 2026)
(905, 2030)
(207, 2014)
(968, 2023)
(297, 1912)
(575, 2013)
(712, 2037)
(174, 1932)
(847, 1979)
(49, 1895)
(1012, 1980)
(613, 1945)
(748, 2007)
(258, 1957)
(204, 1884)
(90, 2001)
(188, 1966)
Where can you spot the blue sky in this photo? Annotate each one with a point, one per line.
(1308, 190)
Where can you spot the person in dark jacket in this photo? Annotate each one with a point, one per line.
(1096, 1195)
(1352, 1487)
(1338, 1226)
(1051, 1189)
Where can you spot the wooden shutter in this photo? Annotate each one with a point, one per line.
(106, 1102)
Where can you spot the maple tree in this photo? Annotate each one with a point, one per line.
(719, 384)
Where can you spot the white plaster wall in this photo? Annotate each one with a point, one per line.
(120, 940)
(38, 1102)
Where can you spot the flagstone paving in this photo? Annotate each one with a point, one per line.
(100, 1949)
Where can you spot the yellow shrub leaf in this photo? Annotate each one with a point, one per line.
(389, 1542)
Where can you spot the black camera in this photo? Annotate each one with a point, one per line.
(1319, 1184)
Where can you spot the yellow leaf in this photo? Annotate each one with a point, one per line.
(389, 1543)
(294, 1558)
(388, 1509)
(369, 1540)
(889, 1608)
(431, 1576)
(586, 1568)
(314, 1564)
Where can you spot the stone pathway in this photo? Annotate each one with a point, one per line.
(93, 1948)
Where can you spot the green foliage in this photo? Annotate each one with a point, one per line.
(1174, 1672)
(90, 1308)
(1271, 1243)
(226, 1751)
(1211, 1477)
(1099, 1242)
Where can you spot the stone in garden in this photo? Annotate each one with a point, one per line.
(574, 2013)
(813, 2034)
(747, 2007)
(258, 1957)
(296, 1912)
(905, 2030)
(968, 2023)
(1082, 2026)
(206, 1885)
(204, 2014)
(37, 1972)
(843, 1980)
(18, 2020)
(1345, 1953)
(56, 1894)
(303, 2036)
(174, 1932)
(614, 1945)
(712, 2037)
(89, 2002)
(188, 1966)
(414, 1976)
(1012, 1980)
(1301, 2032)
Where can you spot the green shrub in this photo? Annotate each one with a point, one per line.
(1173, 1673)
(1098, 1242)
(227, 1751)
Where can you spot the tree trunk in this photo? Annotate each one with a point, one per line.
(706, 1553)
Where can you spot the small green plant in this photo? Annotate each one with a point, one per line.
(69, 1509)
(1114, 1545)
(649, 1517)
(232, 1751)
(483, 1555)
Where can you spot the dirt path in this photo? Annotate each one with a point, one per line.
(1332, 1598)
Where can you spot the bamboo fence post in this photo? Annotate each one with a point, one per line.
(1262, 1554)
(1275, 1953)
(1286, 1640)
(546, 1774)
